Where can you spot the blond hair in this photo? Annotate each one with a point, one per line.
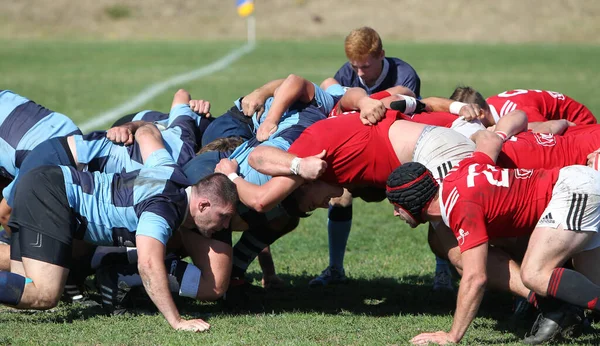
(362, 43)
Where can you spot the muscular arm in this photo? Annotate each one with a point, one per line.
(149, 139)
(255, 101)
(276, 162)
(263, 198)
(488, 143)
(557, 127)
(154, 277)
(292, 89)
(471, 290)
(512, 123)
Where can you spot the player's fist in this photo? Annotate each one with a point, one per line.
(197, 325)
(470, 112)
(226, 166)
(371, 110)
(312, 167)
(254, 103)
(120, 134)
(265, 130)
(200, 107)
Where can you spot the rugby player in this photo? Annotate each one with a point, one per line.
(142, 207)
(480, 202)
(367, 68)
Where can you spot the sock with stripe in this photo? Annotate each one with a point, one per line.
(573, 287)
(11, 287)
(338, 230)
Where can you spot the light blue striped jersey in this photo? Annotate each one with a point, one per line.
(322, 103)
(23, 125)
(100, 154)
(114, 208)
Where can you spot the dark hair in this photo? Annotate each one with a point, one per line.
(469, 95)
(218, 188)
(222, 144)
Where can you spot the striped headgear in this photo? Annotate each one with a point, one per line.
(411, 187)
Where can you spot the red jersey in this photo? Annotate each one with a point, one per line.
(480, 201)
(540, 105)
(544, 150)
(356, 153)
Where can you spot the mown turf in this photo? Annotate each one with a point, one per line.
(389, 299)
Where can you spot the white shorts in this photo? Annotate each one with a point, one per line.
(575, 203)
(440, 149)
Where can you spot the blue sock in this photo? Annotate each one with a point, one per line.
(441, 264)
(12, 287)
(338, 229)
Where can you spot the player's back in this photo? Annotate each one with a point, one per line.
(505, 202)
(544, 150)
(541, 105)
(23, 125)
(110, 205)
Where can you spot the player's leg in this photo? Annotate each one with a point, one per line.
(338, 231)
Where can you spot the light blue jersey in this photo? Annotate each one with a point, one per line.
(100, 154)
(23, 125)
(322, 103)
(114, 208)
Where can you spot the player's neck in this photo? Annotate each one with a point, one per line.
(434, 212)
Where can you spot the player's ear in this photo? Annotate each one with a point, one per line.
(203, 204)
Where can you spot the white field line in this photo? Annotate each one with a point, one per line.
(157, 88)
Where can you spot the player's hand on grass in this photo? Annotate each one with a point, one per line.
(470, 112)
(265, 130)
(120, 134)
(440, 338)
(200, 107)
(226, 166)
(197, 325)
(312, 167)
(254, 103)
(371, 110)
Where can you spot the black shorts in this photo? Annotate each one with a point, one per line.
(34, 245)
(41, 206)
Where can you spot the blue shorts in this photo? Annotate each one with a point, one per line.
(54, 152)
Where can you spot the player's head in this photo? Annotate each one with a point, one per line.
(467, 94)
(411, 188)
(213, 202)
(365, 53)
(315, 194)
(222, 144)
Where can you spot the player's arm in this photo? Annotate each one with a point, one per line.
(255, 101)
(149, 139)
(511, 124)
(470, 294)
(469, 111)
(371, 110)
(261, 198)
(293, 88)
(276, 162)
(124, 133)
(488, 142)
(557, 127)
(471, 290)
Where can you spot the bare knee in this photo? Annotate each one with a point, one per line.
(42, 301)
(535, 279)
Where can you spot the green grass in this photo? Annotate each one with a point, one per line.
(388, 300)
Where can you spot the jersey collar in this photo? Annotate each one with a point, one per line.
(384, 72)
(494, 113)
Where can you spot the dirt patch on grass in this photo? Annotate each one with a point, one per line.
(410, 20)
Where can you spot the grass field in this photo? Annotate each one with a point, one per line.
(389, 299)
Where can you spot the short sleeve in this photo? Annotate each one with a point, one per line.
(154, 226)
(467, 222)
(160, 157)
